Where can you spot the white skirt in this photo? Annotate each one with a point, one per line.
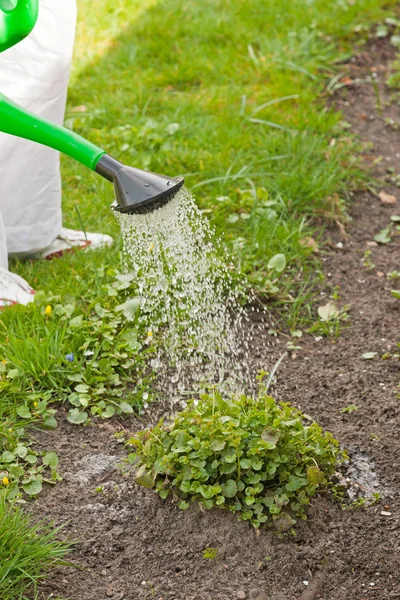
(35, 74)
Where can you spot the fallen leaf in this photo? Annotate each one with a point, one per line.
(309, 242)
(368, 355)
(387, 198)
(327, 311)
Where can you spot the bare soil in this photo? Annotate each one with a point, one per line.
(134, 546)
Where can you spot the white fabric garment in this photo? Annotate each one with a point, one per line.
(35, 74)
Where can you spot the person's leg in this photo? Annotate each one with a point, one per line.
(35, 74)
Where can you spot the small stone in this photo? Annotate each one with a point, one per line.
(372, 244)
(339, 245)
(305, 582)
(241, 595)
(386, 513)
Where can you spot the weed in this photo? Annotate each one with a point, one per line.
(349, 408)
(366, 260)
(210, 553)
(253, 457)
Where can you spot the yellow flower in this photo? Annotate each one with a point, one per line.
(4, 361)
(5, 481)
(149, 333)
(151, 247)
(35, 404)
(48, 310)
(10, 429)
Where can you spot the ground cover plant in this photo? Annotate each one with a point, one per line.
(27, 552)
(257, 458)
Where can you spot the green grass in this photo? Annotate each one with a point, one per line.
(27, 553)
(227, 94)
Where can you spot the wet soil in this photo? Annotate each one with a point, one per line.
(133, 546)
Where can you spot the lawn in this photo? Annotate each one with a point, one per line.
(231, 95)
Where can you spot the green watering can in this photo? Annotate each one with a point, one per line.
(136, 191)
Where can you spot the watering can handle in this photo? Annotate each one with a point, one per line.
(17, 19)
(20, 122)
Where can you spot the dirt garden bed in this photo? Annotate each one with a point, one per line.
(133, 546)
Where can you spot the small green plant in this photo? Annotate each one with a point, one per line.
(22, 468)
(254, 457)
(331, 318)
(210, 553)
(349, 409)
(393, 275)
(27, 552)
(366, 261)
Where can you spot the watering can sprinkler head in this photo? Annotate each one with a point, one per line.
(137, 191)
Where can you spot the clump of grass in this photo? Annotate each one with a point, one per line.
(28, 552)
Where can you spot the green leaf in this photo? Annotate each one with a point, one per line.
(82, 388)
(314, 475)
(395, 41)
(228, 468)
(270, 436)
(245, 463)
(295, 483)
(277, 262)
(49, 423)
(33, 487)
(12, 374)
(217, 445)
(50, 459)
(75, 377)
(31, 459)
(395, 293)
(283, 522)
(108, 412)
(76, 321)
(182, 440)
(76, 417)
(229, 489)
(7, 457)
(129, 308)
(126, 408)
(229, 455)
(24, 412)
(144, 477)
(383, 237)
(183, 505)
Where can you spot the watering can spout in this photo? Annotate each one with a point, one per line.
(17, 19)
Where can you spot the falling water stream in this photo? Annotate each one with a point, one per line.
(189, 306)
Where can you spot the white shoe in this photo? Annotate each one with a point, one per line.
(70, 240)
(14, 289)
